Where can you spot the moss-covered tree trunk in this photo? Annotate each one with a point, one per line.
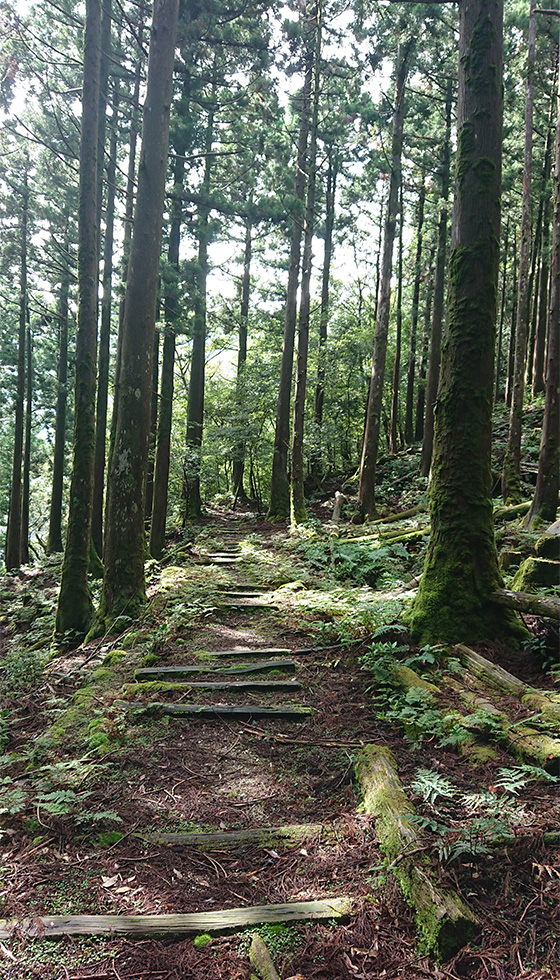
(434, 362)
(511, 474)
(280, 486)
(366, 493)
(55, 515)
(461, 568)
(545, 500)
(75, 606)
(124, 552)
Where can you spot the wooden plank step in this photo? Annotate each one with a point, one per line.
(164, 673)
(255, 836)
(271, 652)
(214, 712)
(233, 686)
(250, 606)
(228, 920)
(220, 560)
(227, 594)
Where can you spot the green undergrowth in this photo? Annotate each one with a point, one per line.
(74, 952)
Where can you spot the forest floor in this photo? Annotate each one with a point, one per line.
(88, 782)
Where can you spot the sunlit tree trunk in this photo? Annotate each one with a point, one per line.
(330, 198)
(55, 518)
(26, 484)
(408, 423)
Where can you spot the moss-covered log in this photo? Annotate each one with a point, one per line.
(445, 922)
(490, 673)
(525, 602)
(261, 960)
(248, 837)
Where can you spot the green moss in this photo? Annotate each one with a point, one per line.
(114, 657)
(203, 940)
(536, 572)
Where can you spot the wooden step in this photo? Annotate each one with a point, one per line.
(46, 926)
(242, 595)
(271, 652)
(248, 836)
(213, 712)
(164, 673)
(233, 686)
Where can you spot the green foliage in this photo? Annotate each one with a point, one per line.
(376, 565)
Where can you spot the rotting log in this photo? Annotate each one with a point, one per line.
(515, 510)
(50, 926)
(445, 922)
(247, 837)
(420, 508)
(261, 960)
(401, 537)
(215, 712)
(164, 673)
(492, 674)
(525, 602)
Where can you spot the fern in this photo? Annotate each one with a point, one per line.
(430, 785)
(514, 780)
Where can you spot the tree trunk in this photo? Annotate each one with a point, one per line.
(239, 451)
(124, 581)
(330, 198)
(408, 422)
(421, 388)
(13, 533)
(104, 342)
(393, 430)
(26, 485)
(502, 310)
(439, 292)
(511, 348)
(366, 493)
(545, 500)
(279, 487)
(461, 567)
(153, 431)
(511, 475)
(55, 519)
(540, 336)
(75, 606)
(298, 512)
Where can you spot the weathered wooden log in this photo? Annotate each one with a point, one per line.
(490, 673)
(445, 922)
(403, 515)
(247, 837)
(215, 712)
(164, 673)
(245, 654)
(526, 602)
(47, 926)
(261, 960)
(150, 687)
(513, 510)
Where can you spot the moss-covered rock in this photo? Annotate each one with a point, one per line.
(548, 546)
(536, 572)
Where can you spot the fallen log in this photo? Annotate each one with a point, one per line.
(445, 922)
(229, 920)
(261, 960)
(525, 602)
(216, 712)
(490, 673)
(247, 837)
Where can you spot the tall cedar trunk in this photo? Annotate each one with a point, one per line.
(511, 474)
(171, 312)
(366, 493)
(536, 257)
(461, 568)
(439, 293)
(26, 484)
(13, 533)
(55, 517)
(195, 410)
(497, 371)
(408, 421)
(421, 387)
(330, 198)
(540, 336)
(124, 582)
(239, 451)
(394, 424)
(545, 500)
(511, 347)
(153, 431)
(103, 357)
(75, 607)
(298, 512)
(279, 487)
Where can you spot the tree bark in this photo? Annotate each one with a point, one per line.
(394, 424)
(239, 451)
(421, 388)
(55, 518)
(511, 475)
(330, 198)
(408, 423)
(366, 492)
(502, 310)
(75, 606)
(461, 567)
(124, 580)
(26, 484)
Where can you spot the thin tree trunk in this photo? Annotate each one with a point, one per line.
(298, 512)
(394, 424)
(439, 293)
(330, 198)
(421, 387)
(55, 518)
(280, 488)
(540, 336)
(366, 492)
(153, 431)
(13, 533)
(408, 422)
(26, 485)
(502, 311)
(124, 588)
(511, 348)
(75, 606)
(454, 600)
(239, 451)
(545, 500)
(511, 474)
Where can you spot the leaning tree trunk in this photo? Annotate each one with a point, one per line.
(13, 534)
(124, 588)
(408, 418)
(26, 484)
(280, 487)
(439, 292)
(298, 512)
(461, 569)
(366, 493)
(545, 500)
(75, 606)
(55, 517)
(511, 474)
